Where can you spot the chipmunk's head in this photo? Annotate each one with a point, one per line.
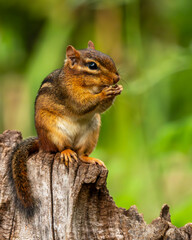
(92, 68)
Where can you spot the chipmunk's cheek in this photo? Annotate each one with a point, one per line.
(97, 89)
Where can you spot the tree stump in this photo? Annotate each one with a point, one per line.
(73, 203)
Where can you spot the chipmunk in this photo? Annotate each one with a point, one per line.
(67, 115)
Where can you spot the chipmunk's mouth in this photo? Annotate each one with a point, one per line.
(110, 85)
(115, 80)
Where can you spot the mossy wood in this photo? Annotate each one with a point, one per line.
(73, 203)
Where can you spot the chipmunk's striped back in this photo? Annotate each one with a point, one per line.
(67, 113)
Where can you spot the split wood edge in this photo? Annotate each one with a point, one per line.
(73, 203)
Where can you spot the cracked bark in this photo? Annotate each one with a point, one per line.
(73, 203)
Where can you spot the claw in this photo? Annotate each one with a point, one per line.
(112, 91)
(92, 160)
(67, 156)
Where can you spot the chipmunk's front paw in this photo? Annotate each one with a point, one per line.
(112, 91)
(92, 160)
(67, 156)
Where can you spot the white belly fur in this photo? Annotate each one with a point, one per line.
(76, 131)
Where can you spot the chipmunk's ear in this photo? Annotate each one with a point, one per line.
(72, 54)
(91, 45)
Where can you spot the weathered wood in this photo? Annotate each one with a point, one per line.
(73, 203)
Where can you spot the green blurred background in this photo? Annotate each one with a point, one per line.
(146, 136)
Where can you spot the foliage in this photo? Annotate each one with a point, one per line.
(146, 137)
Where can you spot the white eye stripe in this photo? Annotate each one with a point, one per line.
(85, 69)
(100, 66)
(87, 60)
(83, 66)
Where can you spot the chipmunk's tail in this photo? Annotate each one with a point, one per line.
(19, 177)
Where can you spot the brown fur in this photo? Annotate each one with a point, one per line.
(67, 111)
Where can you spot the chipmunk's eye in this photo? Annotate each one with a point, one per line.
(92, 65)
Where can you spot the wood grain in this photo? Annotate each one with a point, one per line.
(73, 203)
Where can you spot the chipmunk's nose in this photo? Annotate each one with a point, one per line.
(116, 78)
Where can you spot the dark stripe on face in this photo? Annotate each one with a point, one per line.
(104, 60)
